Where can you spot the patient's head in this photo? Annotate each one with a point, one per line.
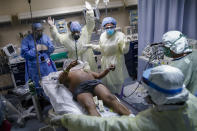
(67, 63)
(80, 64)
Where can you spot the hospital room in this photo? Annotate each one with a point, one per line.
(98, 65)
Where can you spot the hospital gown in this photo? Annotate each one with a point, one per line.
(188, 65)
(28, 52)
(112, 50)
(69, 43)
(161, 118)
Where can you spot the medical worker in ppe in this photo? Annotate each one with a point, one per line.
(113, 45)
(174, 109)
(79, 34)
(176, 47)
(44, 47)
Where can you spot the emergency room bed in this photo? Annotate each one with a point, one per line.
(61, 98)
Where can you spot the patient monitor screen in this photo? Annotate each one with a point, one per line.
(10, 49)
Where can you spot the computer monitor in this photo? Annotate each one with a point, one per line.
(9, 50)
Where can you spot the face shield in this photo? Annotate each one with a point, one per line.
(165, 85)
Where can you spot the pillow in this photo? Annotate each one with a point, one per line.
(60, 97)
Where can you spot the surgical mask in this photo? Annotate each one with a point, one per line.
(167, 52)
(38, 34)
(76, 36)
(110, 31)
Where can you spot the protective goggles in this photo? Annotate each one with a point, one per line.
(173, 43)
(109, 27)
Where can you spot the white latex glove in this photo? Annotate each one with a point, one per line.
(88, 5)
(41, 47)
(96, 3)
(89, 8)
(87, 46)
(128, 39)
(50, 21)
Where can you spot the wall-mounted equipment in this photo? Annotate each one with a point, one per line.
(61, 26)
(9, 50)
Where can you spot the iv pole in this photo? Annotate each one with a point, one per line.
(106, 2)
(37, 61)
(34, 97)
(76, 49)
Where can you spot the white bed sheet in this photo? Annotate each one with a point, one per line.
(61, 98)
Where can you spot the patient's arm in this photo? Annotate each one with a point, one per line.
(104, 73)
(63, 77)
(72, 64)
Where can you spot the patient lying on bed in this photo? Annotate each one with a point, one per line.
(84, 84)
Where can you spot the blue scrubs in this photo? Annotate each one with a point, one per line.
(28, 52)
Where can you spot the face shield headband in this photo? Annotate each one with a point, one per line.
(162, 90)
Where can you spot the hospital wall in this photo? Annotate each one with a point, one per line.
(10, 33)
(10, 7)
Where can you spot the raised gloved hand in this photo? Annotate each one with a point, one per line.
(73, 63)
(41, 47)
(88, 46)
(50, 21)
(56, 121)
(96, 3)
(89, 9)
(88, 5)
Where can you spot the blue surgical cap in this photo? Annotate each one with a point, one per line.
(75, 26)
(109, 20)
(37, 25)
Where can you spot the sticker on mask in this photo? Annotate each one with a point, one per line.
(187, 60)
(48, 62)
(61, 26)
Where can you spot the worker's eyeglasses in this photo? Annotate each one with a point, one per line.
(110, 27)
(38, 31)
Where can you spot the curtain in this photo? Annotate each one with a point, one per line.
(155, 17)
